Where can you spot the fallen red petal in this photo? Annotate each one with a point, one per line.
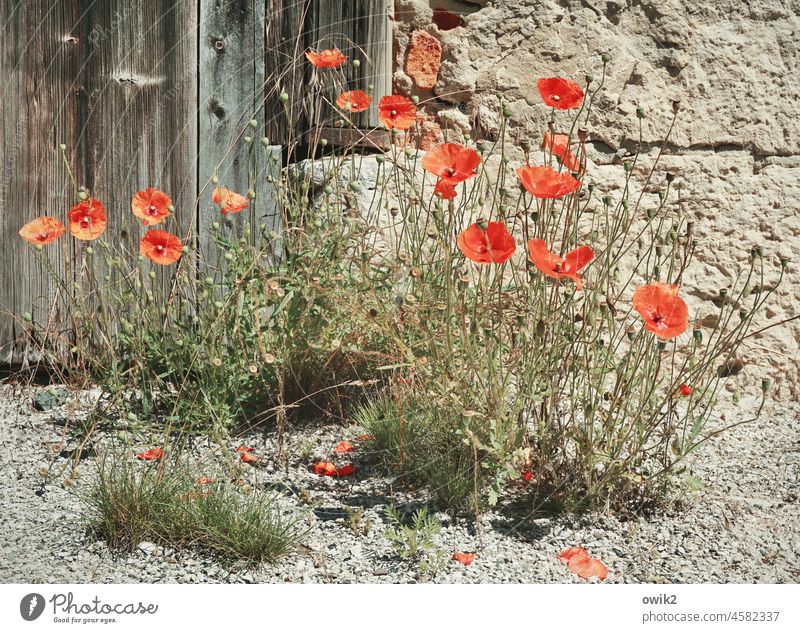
(344, 447)
(344, 471)
(245, 449)
(151, 454)
(465, 558)
(579, 562)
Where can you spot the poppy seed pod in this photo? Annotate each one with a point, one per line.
(670, 177)
(589, 79)
(323, 142)
(742, 314)
(483, 223)
(248, 139)
(676, 105)
(284, 97)
(607, 201)
(605, 58)
(62, 147)
(640, 113)
(765, 384)
(525, 145)
(415, 100)
(698, 335)
(82, 195)
(264, 141)
(253, 123)
(356, 63)
(784, 262)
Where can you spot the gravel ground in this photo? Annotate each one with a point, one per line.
(742, 525)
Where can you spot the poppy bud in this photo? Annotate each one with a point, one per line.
(284, 97)
(784, 262)
(759, 251)
(737, 396)
(27, 317)
(264, 141)
(765, 384)
(62, 147)
(483, 223)
(253, 123)
(590, 188)
(408, 151)
(672, 236)
(185, 250)
(248, 139)
(627, 165)
(152, 274)
(676, 105)
(605, 58)
(534, 216)
(659, 250)
(323, 142)
(82, 195)
(356, 63)
(661, 196)
(215, 226)
(415, 100)
(607, 200)
(698, 335)
(507, 113)
(640, 113)
(662, 345)
(251, 194)
(229, 256)
(589, 79)
(89, 251)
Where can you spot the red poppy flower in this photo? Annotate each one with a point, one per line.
(557, 267)
(354, 101)
(559, 93)
(325, 468)
(249, 458)
(396, 111)
(445, 189)
(494, 245)
(229, 201)
(527, 475)
(451, 162)
(344, 471)
(546, 182)
(42, 230)
(579, 562)
(151, 454)
(329, 58)
(161, 247)
(685, 390)
(204, 480)
(465, 558)
(245, 449)
(151, 206)
(87, 219)
(344, 447)
(665, 314)
(558, 144)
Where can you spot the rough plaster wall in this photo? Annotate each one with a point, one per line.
(736, 145)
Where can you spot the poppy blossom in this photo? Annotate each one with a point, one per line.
(87, 219)
(151, 206)
(560, 267)
(249, 458)
(445, 189)
(558, 144)
(685, 390)
(451, 162)
(329, 469)
(559, 93)
(325, 468)
(354, 101)
(329, 58)
(365, 437)
(527, 475)
(579, 562)
(42, 230)
(665, 314)
(204, 480)
(344, 471)
(493, 245)
(465, 558)
(151, 454)
(396, 111)
(161, 247)
(229, 201)
(344, 447)
(546, 182)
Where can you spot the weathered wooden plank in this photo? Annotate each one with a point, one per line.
(359, 28)
(114, 81)
(231, 94)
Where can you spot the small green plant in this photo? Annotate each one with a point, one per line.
(412, 539)
(356, 522)
(130, 503)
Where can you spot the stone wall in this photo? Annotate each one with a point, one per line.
(735, 148)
